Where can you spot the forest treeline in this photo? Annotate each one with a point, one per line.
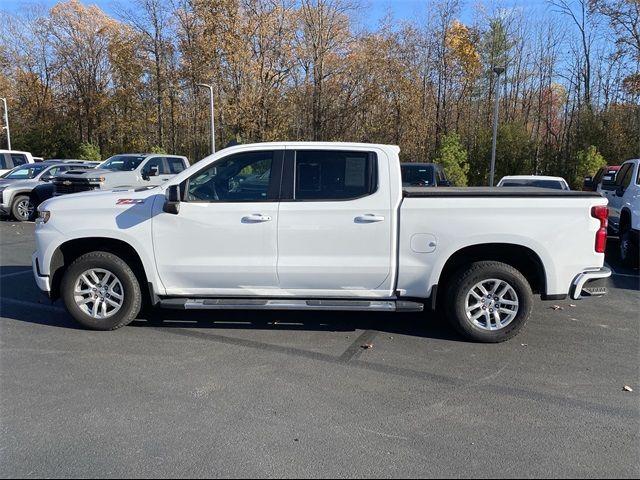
(80, 82)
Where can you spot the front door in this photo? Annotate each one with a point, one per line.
(335, 224)
(223, 241)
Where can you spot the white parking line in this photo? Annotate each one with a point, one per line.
(23, 303)
(15, 274)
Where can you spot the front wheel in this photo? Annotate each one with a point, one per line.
(488, 301)
(22, 208)
(101, 291)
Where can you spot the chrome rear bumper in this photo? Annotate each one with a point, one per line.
(590, 283)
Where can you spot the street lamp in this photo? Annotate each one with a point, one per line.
(497, 71)
(213, 130)
(6, 123)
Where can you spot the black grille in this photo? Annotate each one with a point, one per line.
(62, 188)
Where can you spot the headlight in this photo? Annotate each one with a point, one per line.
(97, 179)
(44, 215)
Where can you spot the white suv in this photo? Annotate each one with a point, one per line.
(623, 193)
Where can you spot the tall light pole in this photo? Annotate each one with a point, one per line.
(6, 123)
(213, 128)
(497, 71)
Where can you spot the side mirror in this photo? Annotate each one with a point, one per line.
(620, 191)
(588, 184)
(172, 200)
(152, 171)
(46, 178)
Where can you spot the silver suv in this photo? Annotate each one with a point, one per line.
(17, 184)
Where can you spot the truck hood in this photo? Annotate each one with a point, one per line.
(91, 173)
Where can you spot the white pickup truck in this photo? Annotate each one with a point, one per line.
(121, 171)
(319, 226)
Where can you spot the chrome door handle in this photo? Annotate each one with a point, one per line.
(256, 218)
(369, 218)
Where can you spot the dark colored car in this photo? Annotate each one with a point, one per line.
(45, 190)
(423, 175)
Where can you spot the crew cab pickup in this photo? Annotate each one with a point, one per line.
(122, 171)
(319, 226)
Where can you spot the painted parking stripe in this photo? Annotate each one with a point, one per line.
(15, 274)
(23, 303)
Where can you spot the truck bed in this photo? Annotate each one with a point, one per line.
(508, 192)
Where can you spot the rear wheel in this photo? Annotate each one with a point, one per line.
(488, 301)
(101, 291)
(22, 208)
(628, 249)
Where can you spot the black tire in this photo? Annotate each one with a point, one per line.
(18, 208)
(629, 253)
(463, 281)
(132, 296)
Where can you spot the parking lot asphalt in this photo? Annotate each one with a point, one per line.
(293, 394)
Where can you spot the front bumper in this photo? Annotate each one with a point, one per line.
(41, 280)
(590, 283)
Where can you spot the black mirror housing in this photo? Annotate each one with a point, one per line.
(172, 200)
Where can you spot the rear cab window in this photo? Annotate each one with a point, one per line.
(176, 164)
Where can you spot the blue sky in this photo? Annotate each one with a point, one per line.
(372, 11)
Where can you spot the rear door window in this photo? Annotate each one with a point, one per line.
(176, 165)
(334, 175)
(4, 163)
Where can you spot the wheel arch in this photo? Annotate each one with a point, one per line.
(522, 258)
(70, 250)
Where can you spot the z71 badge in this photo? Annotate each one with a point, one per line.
(129, 201)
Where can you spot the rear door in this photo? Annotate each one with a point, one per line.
(335, 223)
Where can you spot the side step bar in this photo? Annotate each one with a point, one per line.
(290, 304)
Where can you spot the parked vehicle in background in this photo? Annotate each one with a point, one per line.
(537, 181)
(131, 170)
(623, 193)
(423, 175)
(319, 226)
(16, 186)
(45, 190)
(594, 184)
(10, 159)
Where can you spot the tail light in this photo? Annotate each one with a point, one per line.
(602, 214)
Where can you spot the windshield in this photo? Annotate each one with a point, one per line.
(25, 172)
(418, 175)
(554, 184)
(123, 163)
